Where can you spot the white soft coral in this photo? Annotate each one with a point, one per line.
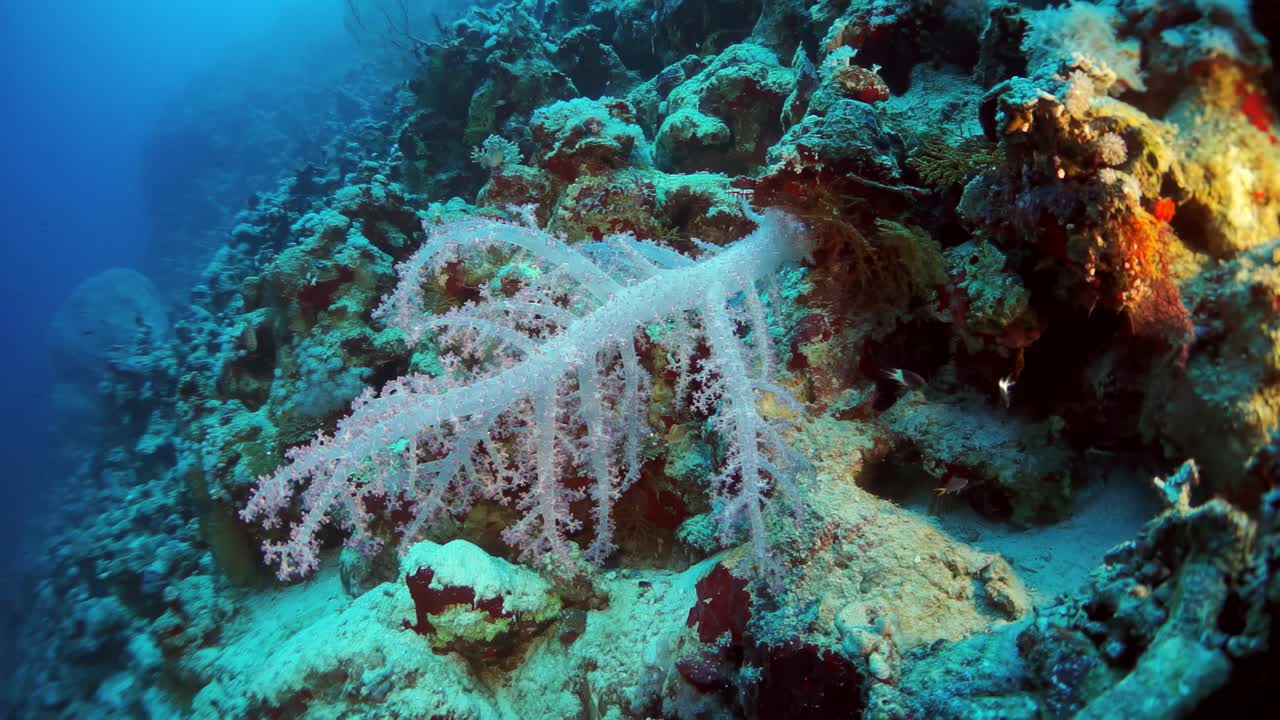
(1065, 35)
(545, 383)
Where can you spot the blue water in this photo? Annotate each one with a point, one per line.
(89, 86)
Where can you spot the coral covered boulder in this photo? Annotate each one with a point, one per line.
(472, 603)
(586, 137)
(1223, 409)
(727, 115)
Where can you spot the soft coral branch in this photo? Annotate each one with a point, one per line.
(544, 383)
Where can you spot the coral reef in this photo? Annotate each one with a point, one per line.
(702, 359)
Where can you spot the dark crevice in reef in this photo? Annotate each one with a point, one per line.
(1267, 19)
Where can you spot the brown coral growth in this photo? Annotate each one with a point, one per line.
(1146, 291)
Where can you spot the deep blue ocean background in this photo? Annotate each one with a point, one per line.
(132, 132)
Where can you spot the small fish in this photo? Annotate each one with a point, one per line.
(953, 485)
(906, 378)
(1006, 384)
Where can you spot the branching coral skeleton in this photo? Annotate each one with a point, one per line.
(546, 384)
